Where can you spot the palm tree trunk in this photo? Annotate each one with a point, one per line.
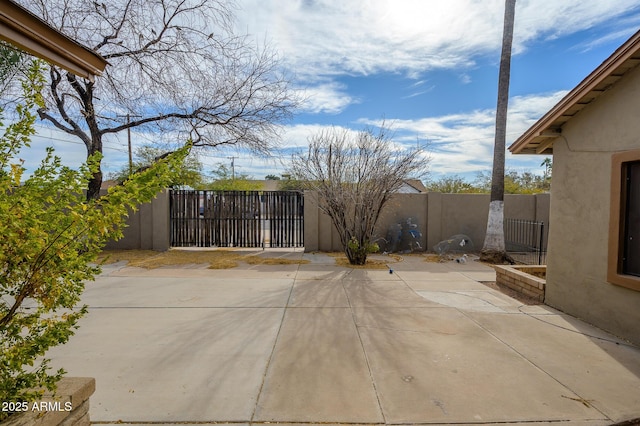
(494, 249)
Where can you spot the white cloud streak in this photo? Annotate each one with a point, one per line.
(322, 38)
(330, 98)
(463, 143)
(457, 143)
(325, 37)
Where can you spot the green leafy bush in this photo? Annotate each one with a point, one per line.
(51, 235)
(359, 251)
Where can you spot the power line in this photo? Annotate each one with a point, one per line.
(221, 156)
(74, 142)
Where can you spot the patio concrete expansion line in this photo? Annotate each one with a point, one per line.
(318, 343)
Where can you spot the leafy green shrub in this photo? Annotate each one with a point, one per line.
(358, 251)
(51, 236)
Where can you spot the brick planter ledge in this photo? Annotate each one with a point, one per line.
(70, 407)
(519, 278)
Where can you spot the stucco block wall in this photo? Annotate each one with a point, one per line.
(148, 228)
(320, 234)
(402, 207)
(438, 216)
(580, 203)
(451, 214)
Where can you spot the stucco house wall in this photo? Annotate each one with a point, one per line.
(580, 208)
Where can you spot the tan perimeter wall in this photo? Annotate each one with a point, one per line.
(438, 216)
(577, 250)
(148, 228)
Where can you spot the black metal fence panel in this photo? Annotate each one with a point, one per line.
(525, 241)
(236, 218)
(284, 217)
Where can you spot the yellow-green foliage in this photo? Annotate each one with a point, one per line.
(50, 235)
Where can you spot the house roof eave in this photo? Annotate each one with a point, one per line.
(539, 138)
(23, 29)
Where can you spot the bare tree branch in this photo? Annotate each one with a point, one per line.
(354, 175)
(175, 63)
(116, 28)
(73, 128)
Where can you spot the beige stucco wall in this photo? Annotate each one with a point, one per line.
(580, 203)
(438, 216)
(321, 235)
(148, 228)
(402, 207)
(451, 214)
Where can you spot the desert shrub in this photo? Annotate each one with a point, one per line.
(51, 236)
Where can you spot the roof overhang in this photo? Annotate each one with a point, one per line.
(23, 29)
(540, 137)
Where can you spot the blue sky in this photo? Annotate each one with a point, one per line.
(428, 68)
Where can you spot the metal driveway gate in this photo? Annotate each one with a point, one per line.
(237, 218)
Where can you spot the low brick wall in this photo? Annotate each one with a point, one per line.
(520, 279)
(70, 407)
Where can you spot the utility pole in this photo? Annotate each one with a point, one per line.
(233, 169)
(128, 117)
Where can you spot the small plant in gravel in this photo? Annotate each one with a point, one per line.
(51, 235)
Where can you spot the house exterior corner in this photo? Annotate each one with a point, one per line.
(583, 203)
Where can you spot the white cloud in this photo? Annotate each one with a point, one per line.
(553, 19)
(418, 93)
(525, 110)
(328, 37)
(322, 39)
(73, 153)
(457, 143)
(463, 143)
(623, 33)
(330, 98)
(465, 79)
(297, 136)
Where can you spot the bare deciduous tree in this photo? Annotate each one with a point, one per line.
(354, 175)
(173, 64)
(12, 62)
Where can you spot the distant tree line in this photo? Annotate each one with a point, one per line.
(193, 174)
(515, 182)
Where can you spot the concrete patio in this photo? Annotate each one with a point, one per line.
(318, 343)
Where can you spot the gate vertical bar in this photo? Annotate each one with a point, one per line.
(236, 218)
(541, 242)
